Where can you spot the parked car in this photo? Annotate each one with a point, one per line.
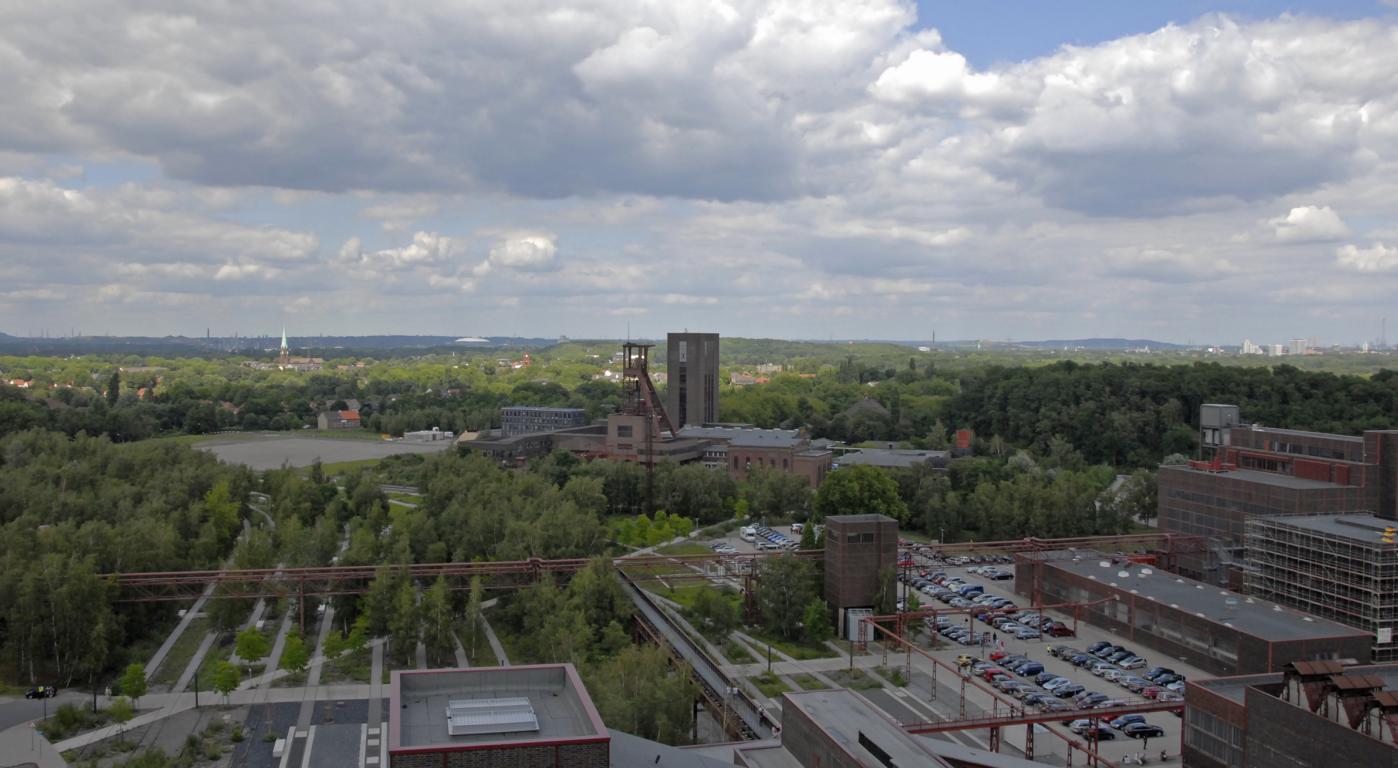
(1099, 668)
(1143, 731)
(1156, 672)
(964, 660)
(1063, 651)
(1132, 662)
(1058, 629)
(1125, 720)
(1068, 691)
(1032, 668)
(1054, 684)
(1097, 646)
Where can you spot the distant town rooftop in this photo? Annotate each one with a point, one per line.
(885, 457)
(428, 708)
(544, 408)
(1260, 618)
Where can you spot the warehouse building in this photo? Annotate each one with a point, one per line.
(1222, 632)
(1308, 714)
(518, 420)
(1341, 567)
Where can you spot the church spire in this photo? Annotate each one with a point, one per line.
(284, 348)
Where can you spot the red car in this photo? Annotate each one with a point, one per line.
(1152, 691)
(998, 655)
(994, 672)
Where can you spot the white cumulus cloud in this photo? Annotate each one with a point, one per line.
(1376, 258)
(1309, 223)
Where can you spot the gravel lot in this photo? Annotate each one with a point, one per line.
(273, 451)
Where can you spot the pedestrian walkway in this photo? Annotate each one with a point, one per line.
(303, 720)
(461, 660)
(495, 645)
(375, 683)
(24, 746)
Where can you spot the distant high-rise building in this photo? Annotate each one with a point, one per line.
(1250, 348)
(1297, 347)
(692, 367)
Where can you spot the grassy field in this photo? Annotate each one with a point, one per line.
(801, 651)
(349, 668)
(770, 685)
(180, 654)
(809, 683)
(736, 653)
(856, 679)
(221, 650)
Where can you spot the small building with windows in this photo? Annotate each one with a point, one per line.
(1214, 629)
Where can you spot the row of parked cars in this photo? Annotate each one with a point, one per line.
(1115, 663)
(767, 539)
(958, 633)
(991, 572)
(1051, 692)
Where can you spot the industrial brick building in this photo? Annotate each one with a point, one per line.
(691, 363)
(741, 449)
(523, 717)
(1306, 715)
(1341, 567)
(860, 551)
(530, 420)
(1263, 472)
(1223, 632)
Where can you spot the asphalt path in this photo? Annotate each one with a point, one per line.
(17, 709)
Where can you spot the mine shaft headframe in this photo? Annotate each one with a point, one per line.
(638, 389)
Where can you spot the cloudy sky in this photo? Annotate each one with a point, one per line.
(1182, 171)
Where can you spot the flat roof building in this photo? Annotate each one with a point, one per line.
(536, 716)
(1342, 567)
(1223, 632)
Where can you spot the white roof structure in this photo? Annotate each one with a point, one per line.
(475, 716)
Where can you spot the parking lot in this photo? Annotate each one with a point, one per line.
(1007, 644)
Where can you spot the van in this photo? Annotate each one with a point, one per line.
(798, 528)
(748, 533)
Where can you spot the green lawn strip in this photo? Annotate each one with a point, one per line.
(219, 651)
(856, 679)
(181, 652)
(770, 685)
(484, 655)
(348, 668)
(801, 651)
(809, 683)
(736, 653)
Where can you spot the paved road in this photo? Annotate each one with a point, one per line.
(17, 710)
